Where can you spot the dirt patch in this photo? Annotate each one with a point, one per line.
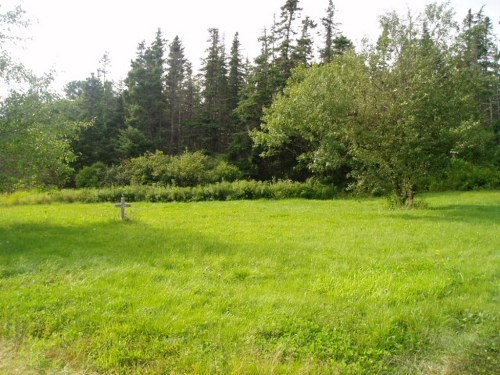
(11, 362)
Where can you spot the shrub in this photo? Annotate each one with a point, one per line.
(92, 176)
(223, 171)
(118, 175)
(148, 168)
(187, 169)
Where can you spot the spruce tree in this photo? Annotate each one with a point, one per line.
(216, 114)
(174, 82)
(95, 100)
(303, 53)
(329, 32)
(145, 99)
(190, 130)
(334, 43)
(285, 33)
(236, 79)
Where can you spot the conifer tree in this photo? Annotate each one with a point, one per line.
(335, 43)
(190, 129)
(145, 99)
(174, 82)
(330, 30)
(286, 32)
(479, 55)
(303, 53)
(236, 79)
(216, 114)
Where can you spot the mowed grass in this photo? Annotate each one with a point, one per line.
(252, 287)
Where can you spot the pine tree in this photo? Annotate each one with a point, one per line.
(480, 56)
(330, 30)
(236, 79)
(260, 87)
(174, 82)
(285, 33)
(191, 98)
(342, 44)
(335, 43)
(94, 100)
(303, 53)
(216, 114)
(145, 99)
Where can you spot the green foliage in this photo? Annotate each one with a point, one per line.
(314, 110)
(92, 176)
(263, 287)
(221, 191)
(95, 100)
(145, 95)
(11, 23)
(223, 171)
(34, 140)
(186, 169)
(34, 135)
(391, 117)
(132, 142)
(146, 169)
(463, 175)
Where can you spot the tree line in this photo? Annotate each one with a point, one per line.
(164, 105)
(382, 118)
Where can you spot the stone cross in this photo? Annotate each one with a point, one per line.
(122, 205)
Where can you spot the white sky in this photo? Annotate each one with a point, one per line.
(70, 36)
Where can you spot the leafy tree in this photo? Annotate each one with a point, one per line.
(395, 116)
(10, 22)
(312, 113)
(34, 140)
(34, 136)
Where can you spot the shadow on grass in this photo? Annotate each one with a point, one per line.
(470, 214)
(110, 242)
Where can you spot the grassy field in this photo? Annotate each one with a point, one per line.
(252, 287)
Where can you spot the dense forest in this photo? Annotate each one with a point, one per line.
(418, 107)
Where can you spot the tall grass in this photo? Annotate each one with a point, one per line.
(244, 287)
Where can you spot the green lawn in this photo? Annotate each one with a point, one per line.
(252, 287)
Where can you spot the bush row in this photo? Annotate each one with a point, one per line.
(222, 191)
(187, 169)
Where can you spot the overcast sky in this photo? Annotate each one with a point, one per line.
(70, 36)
